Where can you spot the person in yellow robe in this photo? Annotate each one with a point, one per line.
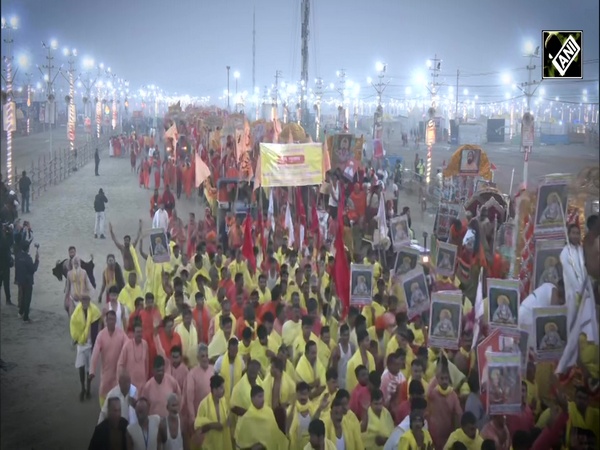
(337, 429)
(300, 413)
(292, 328)
(581, 414)
(306, 335)
(260, 351)
(215, 322)
(264, 294)
(273, 338)
(218, 344)
(212, 419)
(189, 339)
(130, 292)
(325, 346)
(362, 356)
(417, 438)
(374, 310)
(317, 439)
(280, 388)
(230, 366)
(240, 397)
(377, 425)
(310, 370)
(258, 425)
(467, 434)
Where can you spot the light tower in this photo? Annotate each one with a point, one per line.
(71, 54)
(304, 74)
(435, 66)
(318, 97)
(342, 115)
(50, 105)
(379, 88)
(10, 120)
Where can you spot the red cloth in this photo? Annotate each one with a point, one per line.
(248, 246)
(360, 400)
(314, 226)
(522, 422)
(400, 411)
(552, 436)
(202, 321)
(341, 268)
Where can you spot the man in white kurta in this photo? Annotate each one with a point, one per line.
(574, 272)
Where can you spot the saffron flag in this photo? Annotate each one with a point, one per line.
(247, 246)
(202, 171)
(314, 226)
(341, 268)
(173, 134)
(289, 225)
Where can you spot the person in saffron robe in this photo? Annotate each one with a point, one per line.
(258, 425)
(108, 347)
(202, 317)
(190, 232)
(177, 230)
(168, 200)
(156, 169)
(211, 425)
(145, 173)
(134, 357)
(444, 406)
(189, 338)
(167, 172)
(497, 431)
(165, 338)
(158, 388)
(197, 386)
(84, 327)
(111, 276)
(151, 320)
(132, 160)
(154, 202)
(188, 178)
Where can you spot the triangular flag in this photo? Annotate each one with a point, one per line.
(381, 220)
(479, 309)
(289, 225)
(247, 246)
(202, 170)
(270, 211)
(341, 267)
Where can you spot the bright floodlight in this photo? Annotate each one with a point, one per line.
(331, 86)
(38, 85)
(23, 61)
(420, 79)
(88, 63)
(429, 63)
(556, 98)
(465, 92)
(506, 78)
(408, 90)
(379, 66)
(529, 48)
(369, 80)
(53, 44)
(236, 74)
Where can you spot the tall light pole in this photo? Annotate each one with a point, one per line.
(318, 97)
(342, 116)
(50, 114)
(71, 54)
(379, 88)
(112, 86)
(10, 124)
(528, 123)
(228, 92)
(99, 111)
(435, 66)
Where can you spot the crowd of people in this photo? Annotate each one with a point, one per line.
(247, 340)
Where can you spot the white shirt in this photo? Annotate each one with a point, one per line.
(127, 411)
(539, 298)
(335, 191)
(219, 363)
(394, 439)
(161, 220)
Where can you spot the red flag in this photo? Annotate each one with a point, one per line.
(314, 226)
(247, 247)
(300, 207)
(341, 268)
(260, 228)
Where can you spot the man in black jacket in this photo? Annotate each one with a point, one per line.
(111, 433)
(99, 206)
(6, 259)
(25, 268)
(24, 189)
(96, 162)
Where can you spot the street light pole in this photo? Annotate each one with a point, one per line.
(50, 107)
(10, 113)
(318, 97)
(379, 88)
(528, 119)
(71, 118)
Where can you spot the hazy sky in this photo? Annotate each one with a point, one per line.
(183, 46)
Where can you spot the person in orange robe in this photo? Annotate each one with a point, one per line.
(151, 319)
(188, 179)
(201, 317)
(166, 338)
(133, 160)
(167, 172)
(154, 202)
(157, 174)
(146, 169)
(177, 230)
(359, 199)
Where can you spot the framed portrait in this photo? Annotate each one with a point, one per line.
(550, 332)
(546, 262)
(342, 156)
(501, 340)
(503, 385)
(445, 260)
(323, 217)
(159, 246)
(504, 300)
(361, 284)
(407, 259)
(469, 160)
(446, 213)
(400, 231)
(551, 208)
(416, 291)
(445, 320)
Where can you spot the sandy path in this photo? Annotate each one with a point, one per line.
(40, 405)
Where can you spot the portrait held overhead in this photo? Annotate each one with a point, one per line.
(256, 234)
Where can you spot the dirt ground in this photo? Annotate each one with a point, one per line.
(39, 405)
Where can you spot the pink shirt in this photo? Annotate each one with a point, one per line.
(390, 384)
(360, 400)
(179, 373)
(134, 360)
(157, 394)
(196, 388)
(444, 410)
(108, 348)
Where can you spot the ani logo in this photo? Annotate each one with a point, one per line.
(563, 56)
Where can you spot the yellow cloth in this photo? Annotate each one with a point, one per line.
(377, 426)
(207, 414)
(80, 324)
(170, 308)
(263, 297)
(258, 426)
(290, 331)
(300, 344)
(240, 397)
(424, 383)
(189, 342)
(377, 270)
(128, 295)
(305, 372)
(290, 370)
(287, 390)
(217, 322)
(324, 351)
(298, 437)
(350, 431)
(533, 397)
(328, 446)
(377, 309)
(218, 345)
(393, 346)
(588, 353)
(460, 436)
(381, 344)
(235, 268)
(251, 282)
(210, 299)
(353, 363)
(136, 264)
(591, 421)
(419, 335)
(226, 374)
(334, 327)
(544, 418)
(243, 349)
(258, 352)
(408, 441)
(274, 342)
(154, 283)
